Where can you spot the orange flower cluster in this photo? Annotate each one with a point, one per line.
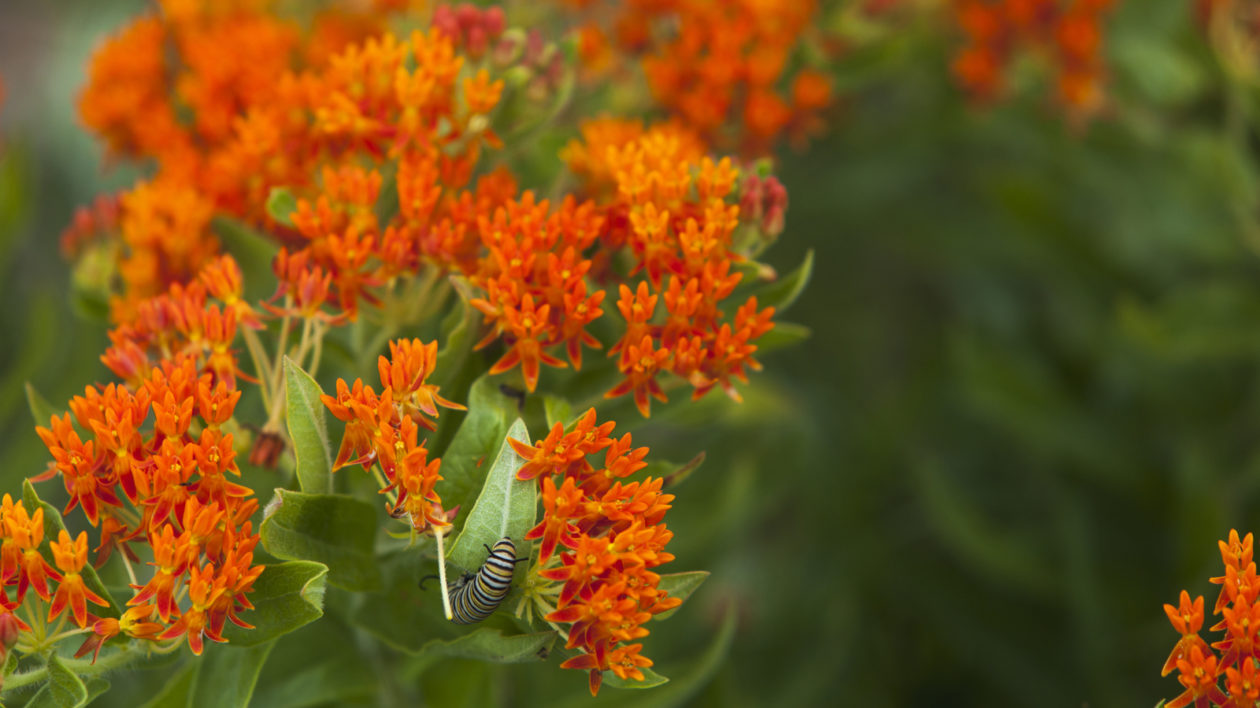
(723, 67)
(161, 480)
(613, 535)
(1066, 31)
(1200, 667)
(384, 429)
(229, 67)
(670, 212)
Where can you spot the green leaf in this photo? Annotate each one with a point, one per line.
(673, 472)
(280, 205)
(96, 687)
(651, 679)
(41, 409)
(336, 530)
(557, 410)
(455, 339)
(175, 692)
(63, 690)
(226, 675)
(464, 461)
(782, 293)
(506, 506)
(491, 644)
(680, 585)
(304, 415)
(285, 597)
(784, 335)
(53, 525)
(302, 671)
(401, 614)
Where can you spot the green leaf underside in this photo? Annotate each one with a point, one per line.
(285, 597)
(557, 410)
(783, 292)
(783, 336)
(465, 462)
(308, 429)
(651, 679)
(491, 644)
(53, 525)
(63, 690)
(673, 472)
(335, 530)
(458, 330)
(681, 586)
(41, 409)
(225, 675)
(280, 205)
(505, 508)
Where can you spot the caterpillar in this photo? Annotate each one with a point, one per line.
(475, 596)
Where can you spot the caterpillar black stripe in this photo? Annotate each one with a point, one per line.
(475, 595)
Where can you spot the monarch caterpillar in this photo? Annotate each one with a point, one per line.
(475, 595)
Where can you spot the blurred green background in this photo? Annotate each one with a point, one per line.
(1028, 409)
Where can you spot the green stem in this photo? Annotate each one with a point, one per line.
(262, 370)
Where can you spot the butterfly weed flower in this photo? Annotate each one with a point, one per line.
(1234, 657)
(600, 538)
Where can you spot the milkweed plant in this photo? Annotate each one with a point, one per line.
(395, 286)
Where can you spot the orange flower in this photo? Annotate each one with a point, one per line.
(1198, 675)
(70, 557)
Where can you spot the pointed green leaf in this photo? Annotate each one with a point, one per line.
(41, 409)
(557, 410)
(782, 293)
(465, 462)
(304, 415)
(673, 472)
(336, 530)
(302, 671)
(225, 675)
(455, 340)
(784, 336)
(53, 525)
(680, 585)
(285, 597)
(506, 506)
(63, 690)
(651, 679)
(96, 687)
(491, 644)
(280, 205)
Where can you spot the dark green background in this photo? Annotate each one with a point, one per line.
(1028, 409)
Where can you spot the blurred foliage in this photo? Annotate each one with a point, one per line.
(1027, 410)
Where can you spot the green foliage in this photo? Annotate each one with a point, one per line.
(225, 676)
(506, 506)
(335, 530)
(280, 205)
(41, 410)
(305, 417)
(465, 460)
(491, 644)
(783, 292)
(286, 596)
(63, 690)
(680, 585)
